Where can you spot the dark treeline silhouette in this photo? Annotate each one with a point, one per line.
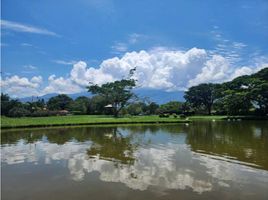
(245, 95)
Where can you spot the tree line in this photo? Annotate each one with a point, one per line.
(245, 95)
(82, 105)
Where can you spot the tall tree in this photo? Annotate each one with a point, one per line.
(203, 95)
(97, 105)
(117, 93)
(259, 95)
(80, 105)
(171, 107)
(236, 103)
(7, 104)
(59, 102)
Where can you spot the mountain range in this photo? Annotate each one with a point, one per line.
(153, 95)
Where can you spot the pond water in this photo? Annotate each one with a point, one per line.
(200, 160)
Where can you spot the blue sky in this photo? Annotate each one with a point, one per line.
(59, 46)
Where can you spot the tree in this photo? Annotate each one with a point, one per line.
(135, 108)
(97, 105)
(171, 107)
(256, 88)
(151, 108)
(203, 95)
(80, 105)
(117, 93)
(259, 96)
(59, 102)
(18, 112)
(7, 104)
(237, 103)
(35, 106)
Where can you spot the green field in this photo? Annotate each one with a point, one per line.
(7, 122)
(72, 120)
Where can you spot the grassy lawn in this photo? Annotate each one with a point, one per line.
(7, 122)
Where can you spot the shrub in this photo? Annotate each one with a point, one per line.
(164, 115)
(41, 113)
(182, 116)
(18, 112)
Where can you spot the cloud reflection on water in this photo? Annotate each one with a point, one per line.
(168, 166)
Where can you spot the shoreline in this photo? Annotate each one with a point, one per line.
(85, 120)
(16, 123)
(93, 123)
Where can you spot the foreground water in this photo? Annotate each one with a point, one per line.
(202, 160)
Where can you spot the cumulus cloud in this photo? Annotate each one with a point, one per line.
(61, 85)
(82, 75)
(21, 86)
(158, 68)
(162, 69)
(214, 70)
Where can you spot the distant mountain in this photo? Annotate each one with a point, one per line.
(154, 95)
(160, 96)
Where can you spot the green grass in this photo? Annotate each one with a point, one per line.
(7, 122)
(207, 117)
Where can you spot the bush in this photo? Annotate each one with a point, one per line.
(164, 115)
(18, 112)
(41, 113)
(77, 113)
(182, 116)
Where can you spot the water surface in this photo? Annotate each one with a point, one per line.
(201, 160)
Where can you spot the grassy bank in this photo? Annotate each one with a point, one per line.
(207, 117)
(81, 120)
(225, 117)
(73, 120)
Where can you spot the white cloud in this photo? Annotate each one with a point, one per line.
(162, 69)
(159, 68)
(247, 70)
(239, 45)
(135, 37)
(18, 27)
(26, 44)
(119, 47)
(82, 75)
(61, 85)
(214, 70)
(63, 62)
(30, 67)
(20, 86)
(37, 79)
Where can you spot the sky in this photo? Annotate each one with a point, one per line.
(60, 46)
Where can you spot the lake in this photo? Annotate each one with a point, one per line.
(200, 160)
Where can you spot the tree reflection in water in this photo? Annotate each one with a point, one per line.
(112, 145)
(149, 157)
